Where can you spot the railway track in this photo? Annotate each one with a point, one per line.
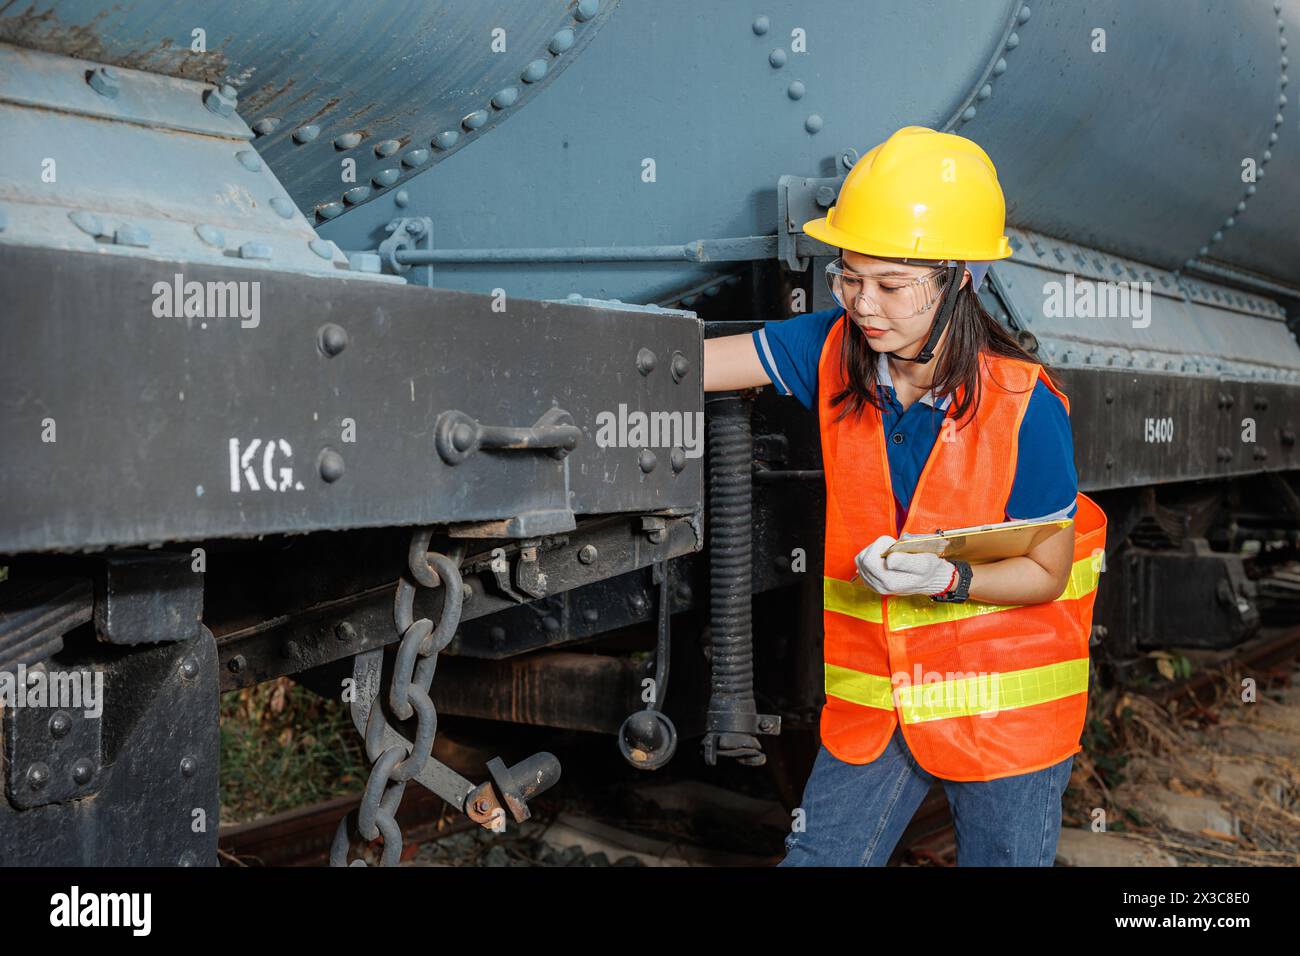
(611, 823)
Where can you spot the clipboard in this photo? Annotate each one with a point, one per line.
(983, 543)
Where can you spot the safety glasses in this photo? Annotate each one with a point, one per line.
(893, 297)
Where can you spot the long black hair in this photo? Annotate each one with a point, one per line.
(971, 332)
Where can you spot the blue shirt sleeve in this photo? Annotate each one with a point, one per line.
(790, 350)
(1046, 482)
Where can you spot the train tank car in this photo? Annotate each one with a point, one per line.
(362, 343)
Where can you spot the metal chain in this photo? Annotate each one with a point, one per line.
(408, 694)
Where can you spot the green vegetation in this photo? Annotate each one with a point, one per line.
(283, 747)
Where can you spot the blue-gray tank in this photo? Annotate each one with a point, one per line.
(627, 130)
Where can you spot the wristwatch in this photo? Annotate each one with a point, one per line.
(959, 591)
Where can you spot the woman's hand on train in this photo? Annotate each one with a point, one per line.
(902, 573)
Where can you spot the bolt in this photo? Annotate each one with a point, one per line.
(766, 724)
(211, 235)
(637, 603)
(497, 634)
(222, 102)
(561, 42)
(646, 460)
(255, 250)
(332, 339)
(462, 437)
(237, 664)
(645, 361)
(587, 554)
(82, 771)
(38, 775)
(591, 615)
(129, 235)
(344, 631)
(680, 366)
(60, 724)
(534, 71)
(189, 766)
(481, 805)
(305, 134)
(190, 666)
(825, 197)
(683, 591)
(331, 465)
(104, 81)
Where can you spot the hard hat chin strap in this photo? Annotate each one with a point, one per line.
(941, 319)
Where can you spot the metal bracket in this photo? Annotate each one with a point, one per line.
(53, 755)
(799, 199)
(148, 597)
(414, 232)
(529, 577)
(457, 435)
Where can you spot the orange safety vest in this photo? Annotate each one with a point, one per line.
(982, 690)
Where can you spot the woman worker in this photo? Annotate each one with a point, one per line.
(932, 416)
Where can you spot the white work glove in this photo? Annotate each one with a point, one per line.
(902, 573)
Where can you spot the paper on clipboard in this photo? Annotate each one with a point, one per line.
(990, 542)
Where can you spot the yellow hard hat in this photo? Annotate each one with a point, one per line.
(919, 195)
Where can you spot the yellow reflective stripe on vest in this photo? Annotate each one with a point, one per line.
(963, 696)
(852, 598)
(869, 690)
(991, 693)
(917, 610)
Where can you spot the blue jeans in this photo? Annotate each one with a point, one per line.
(855, 814)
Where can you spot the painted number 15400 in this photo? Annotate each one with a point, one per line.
(1159, 430)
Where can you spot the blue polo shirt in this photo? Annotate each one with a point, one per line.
(1046, 483)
